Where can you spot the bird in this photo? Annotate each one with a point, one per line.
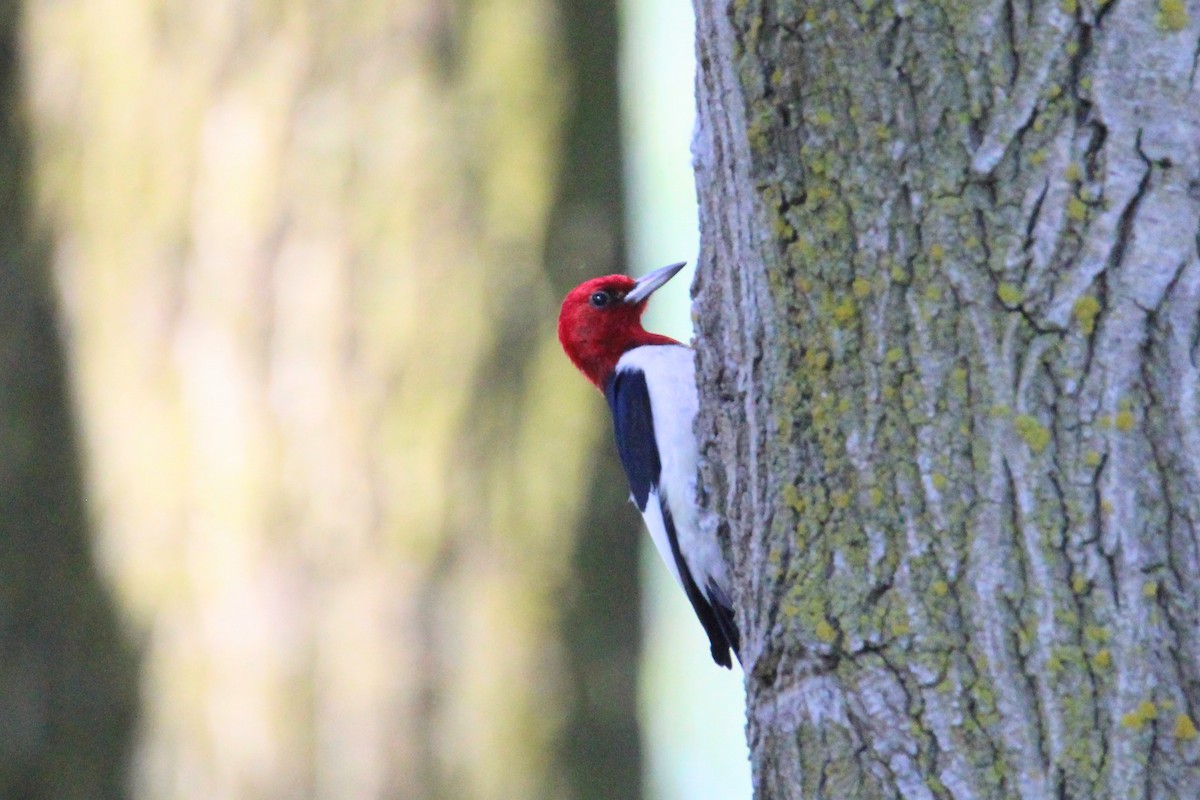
(649, 382)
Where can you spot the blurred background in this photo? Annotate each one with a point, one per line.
(298, 495)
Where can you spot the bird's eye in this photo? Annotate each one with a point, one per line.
(599, 299)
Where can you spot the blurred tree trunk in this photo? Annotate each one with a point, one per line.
(599, 744)
(949, 304)
(68, 675)
(335, 452)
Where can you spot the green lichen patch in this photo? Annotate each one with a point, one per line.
(1010, 294)
(758, 132)
(782, 229)
(1145, 712)
(1125, 421)
(845, 311)
(1085, 310)
(1172, 16)
(1036, 435)
(1076, 209)
(823, 118)
(1185, 729)
(792, 499)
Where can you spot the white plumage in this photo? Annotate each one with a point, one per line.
(652, 394)
(670, 380)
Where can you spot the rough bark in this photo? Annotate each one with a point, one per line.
(307, 253)
(949, 325)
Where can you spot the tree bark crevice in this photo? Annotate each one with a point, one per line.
(946, 304)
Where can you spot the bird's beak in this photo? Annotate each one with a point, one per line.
(648, 284)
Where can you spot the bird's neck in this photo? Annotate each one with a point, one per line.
(600, 364)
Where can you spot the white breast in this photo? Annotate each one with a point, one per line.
(670, 381)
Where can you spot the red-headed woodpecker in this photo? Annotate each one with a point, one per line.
(649, 382)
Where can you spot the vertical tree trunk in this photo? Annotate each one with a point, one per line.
(334, 448)
(68, 674)
(599, 743)
(949, 310)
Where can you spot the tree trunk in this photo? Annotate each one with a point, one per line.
(309, 254)
(949, 312)
(68, 672)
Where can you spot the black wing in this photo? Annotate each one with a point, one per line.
(633, 426)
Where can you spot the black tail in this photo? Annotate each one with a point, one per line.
(722, 611)
(718, 624)
(712, 607)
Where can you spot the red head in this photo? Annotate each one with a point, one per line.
(601, 320)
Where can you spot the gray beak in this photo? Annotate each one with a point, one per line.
(648, 284)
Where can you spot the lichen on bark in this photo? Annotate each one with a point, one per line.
(949, 305)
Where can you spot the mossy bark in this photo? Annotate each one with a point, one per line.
(949, 313)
